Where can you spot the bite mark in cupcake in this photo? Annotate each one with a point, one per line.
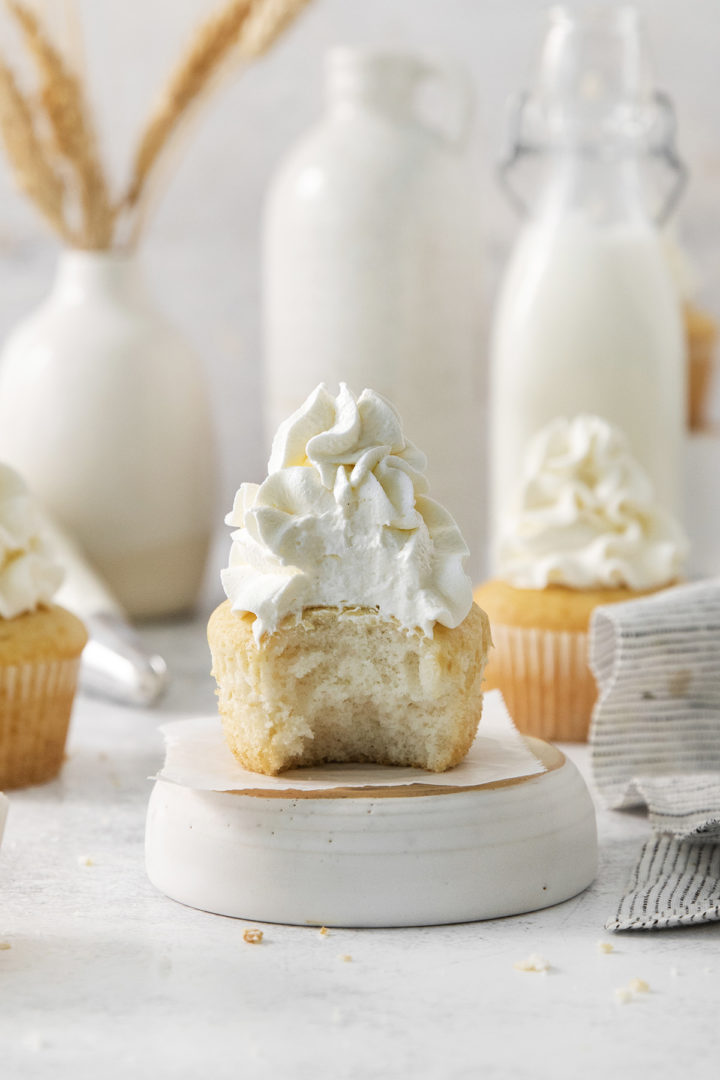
(349, 633)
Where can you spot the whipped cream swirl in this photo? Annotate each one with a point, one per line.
(342, 520)
(587, 517)
(28, 576)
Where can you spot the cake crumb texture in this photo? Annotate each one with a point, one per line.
(252, 936)
(49, 633)
(348, 685)
(556, 607)
(534, 962)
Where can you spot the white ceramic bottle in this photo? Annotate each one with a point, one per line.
(371, 256)
(104, 411)
(587, 318)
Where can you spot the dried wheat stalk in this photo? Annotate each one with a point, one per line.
(192, 75)
(242, 30)
(266, 23)
(33, 170)
(63, 102)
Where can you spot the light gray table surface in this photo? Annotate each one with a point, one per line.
(106, 978)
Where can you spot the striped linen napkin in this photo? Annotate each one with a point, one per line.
(655, 741)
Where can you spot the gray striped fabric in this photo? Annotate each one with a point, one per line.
(684, 806)
(675, 883)
(655, 740)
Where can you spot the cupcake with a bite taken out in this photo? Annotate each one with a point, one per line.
(40, 645)
(349, 632)
(586, 530)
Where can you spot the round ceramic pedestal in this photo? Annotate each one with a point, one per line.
(400, 856)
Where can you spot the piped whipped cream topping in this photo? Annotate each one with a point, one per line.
(28, 576)
(343, 520)
(587, 517)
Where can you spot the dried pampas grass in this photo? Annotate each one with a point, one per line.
(266, 22)
(66, 174)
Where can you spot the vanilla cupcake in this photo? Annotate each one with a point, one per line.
(349, 633)
(701, 333)
(700, 329)
(40, 646)
(586, 530)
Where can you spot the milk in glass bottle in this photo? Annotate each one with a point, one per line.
(588, 319)
(370, 268)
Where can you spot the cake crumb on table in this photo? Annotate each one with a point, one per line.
(5, 945)
(253, 936)
(534, 962)
(624, 994)
(85, 860)
(605, 947)
(346, 957)
(323, 931)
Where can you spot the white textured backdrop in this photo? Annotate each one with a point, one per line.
(202, 250)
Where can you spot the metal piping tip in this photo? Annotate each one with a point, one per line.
(117, 665)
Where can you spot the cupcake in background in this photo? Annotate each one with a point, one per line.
(585, 531)
(700, 331)
(40, 645)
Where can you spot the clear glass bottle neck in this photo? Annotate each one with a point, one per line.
(603, 189)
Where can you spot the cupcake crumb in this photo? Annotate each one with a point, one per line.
(624, 994)
(253, 936)
(346, 958)
(5, 945)
(605, 947)
(534, 962)
(323, 931)
(85, 860)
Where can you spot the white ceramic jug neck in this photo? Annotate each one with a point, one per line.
(381, 81)
(83, 275)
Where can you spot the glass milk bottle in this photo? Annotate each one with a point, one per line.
(371, 251)
(588, 319)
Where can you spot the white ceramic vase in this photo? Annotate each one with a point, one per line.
(104, 411)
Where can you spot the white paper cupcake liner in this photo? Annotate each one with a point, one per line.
(545, 679)
(35, 705)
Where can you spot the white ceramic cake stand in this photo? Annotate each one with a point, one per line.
(399, 856)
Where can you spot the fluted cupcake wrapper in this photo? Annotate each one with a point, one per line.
(701, 363)
(35, 705)
(545, 679)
